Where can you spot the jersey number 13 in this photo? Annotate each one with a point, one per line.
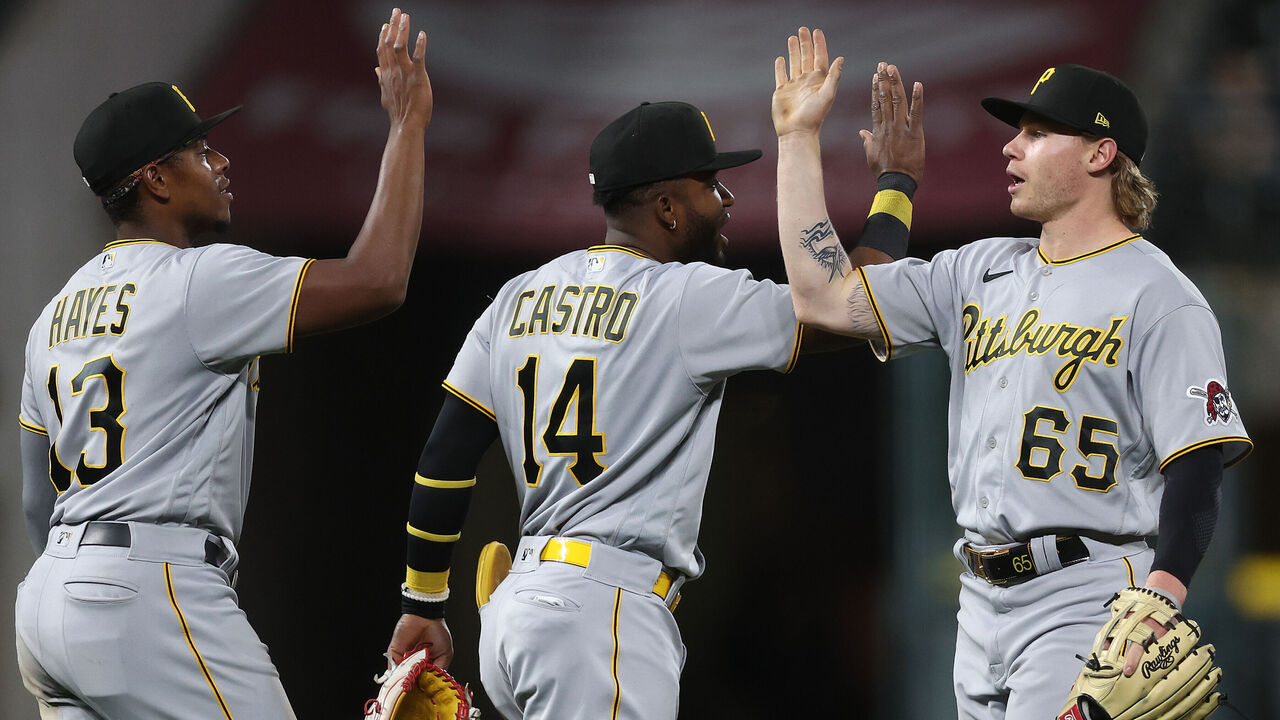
(105, 419)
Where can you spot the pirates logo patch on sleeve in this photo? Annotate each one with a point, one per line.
(1218, 407)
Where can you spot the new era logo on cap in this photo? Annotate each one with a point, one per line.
(1083, 99)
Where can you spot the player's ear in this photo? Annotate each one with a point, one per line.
(154, 181)
(1102, 153)
(664, 209)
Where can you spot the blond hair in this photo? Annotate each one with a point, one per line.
(1133, 194)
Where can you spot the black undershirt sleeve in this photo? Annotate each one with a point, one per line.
(438, 504)
(1189, 511)
(457, 441)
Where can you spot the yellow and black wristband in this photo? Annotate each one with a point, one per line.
(888, 226)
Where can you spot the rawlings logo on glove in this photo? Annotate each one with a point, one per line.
(417, 689)
(1176, 681)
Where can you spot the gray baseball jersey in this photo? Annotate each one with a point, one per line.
(1074, 382)
(605, 370)
(142, 374)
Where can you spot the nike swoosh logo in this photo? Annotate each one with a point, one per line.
(988, 276)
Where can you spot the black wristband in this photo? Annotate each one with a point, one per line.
(888, 226)
(896, 181)
(422, 608)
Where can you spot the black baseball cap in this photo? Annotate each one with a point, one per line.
(134, 127)
(1083, 99)
(658, 141)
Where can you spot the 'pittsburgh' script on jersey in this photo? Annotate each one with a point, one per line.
(595, 311)
(82, 314)
(987, 340)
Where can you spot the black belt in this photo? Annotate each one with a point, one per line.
(1011, 566)
(116, 534)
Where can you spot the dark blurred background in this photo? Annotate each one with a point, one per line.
(830, 587)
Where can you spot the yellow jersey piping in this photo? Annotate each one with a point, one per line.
(134, 241)
(1212, 441)
(1089, 254)
(875, 310)
(795, 349)
(293, 304)
(619, 248)
(468, 400)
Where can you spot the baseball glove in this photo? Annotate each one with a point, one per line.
(1174, 680)
(416, 689)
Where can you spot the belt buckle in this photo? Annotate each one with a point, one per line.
(978, 566)
(975, 563)
(673, 591)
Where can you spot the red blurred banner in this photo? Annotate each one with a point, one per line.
(521, 89)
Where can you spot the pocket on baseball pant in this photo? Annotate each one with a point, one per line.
(547, 600)
(99, 590)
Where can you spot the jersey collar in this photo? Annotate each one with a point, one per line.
(621, 249)
(133, 241)
(1090, 254)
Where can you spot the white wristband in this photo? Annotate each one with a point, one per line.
(423, 597)
(1165, 594)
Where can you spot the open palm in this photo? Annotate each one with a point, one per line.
(802, 99)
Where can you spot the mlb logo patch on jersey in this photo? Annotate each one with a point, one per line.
(595, 263)
(1218, 407)
(108, 262)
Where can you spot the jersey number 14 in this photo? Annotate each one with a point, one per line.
(583, 443)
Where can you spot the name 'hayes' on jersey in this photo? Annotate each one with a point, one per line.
(1073, 382)
(604, 370)
(138, 325)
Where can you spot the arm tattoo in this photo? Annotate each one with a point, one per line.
(832, 257)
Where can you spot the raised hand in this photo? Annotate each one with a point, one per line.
(406, 89)
(896, 141)
(802, 99)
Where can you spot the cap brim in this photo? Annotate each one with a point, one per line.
(204, 127)
(730, 159)
(1011, 112)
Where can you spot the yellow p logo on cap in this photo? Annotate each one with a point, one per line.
(193, 107)
(1047, 74)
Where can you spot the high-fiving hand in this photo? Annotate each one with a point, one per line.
(895, 142)
(802, 99)
(406, 89)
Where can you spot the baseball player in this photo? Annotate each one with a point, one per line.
(603, 372)
(1089, 407)
(138, 401)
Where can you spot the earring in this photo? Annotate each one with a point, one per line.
(673, 225)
